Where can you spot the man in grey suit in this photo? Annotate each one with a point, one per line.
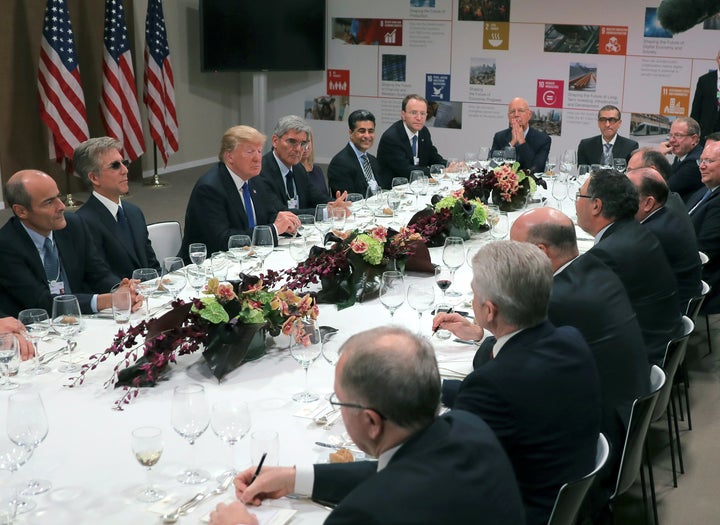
(118, 228)
(601, 148)
(353, 169)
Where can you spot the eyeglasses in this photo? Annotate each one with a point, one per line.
(417, 113)
(679, 135)
(611, 120)
(579, 195)
(700, 162)
(115, 165)
(294, 143)
(334, 402)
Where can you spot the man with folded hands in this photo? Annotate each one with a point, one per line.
(430, 469)
(540, 391)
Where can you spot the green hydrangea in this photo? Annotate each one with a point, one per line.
(375, 251)
(479, 215)
(446, 202)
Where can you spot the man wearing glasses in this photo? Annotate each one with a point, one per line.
(600, 149)
(118, 228)
(283, 180)
(532, 146)
(407, 144)
(429, 469)
(684, 142)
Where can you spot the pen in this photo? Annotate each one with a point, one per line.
(257, 470)
(438, 326)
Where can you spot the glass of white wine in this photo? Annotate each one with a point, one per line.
(147, 445)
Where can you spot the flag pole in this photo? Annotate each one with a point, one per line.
(69, 202)
(155, 181)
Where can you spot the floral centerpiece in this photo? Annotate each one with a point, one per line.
(228, 322)
(350, 269)
(508, 185)
(453, 215)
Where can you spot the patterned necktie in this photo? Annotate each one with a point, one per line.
(125, 230)
(50, 261)
(247, 201)
(289, 184)
(367, 169)
(608, 154)
(414, 145)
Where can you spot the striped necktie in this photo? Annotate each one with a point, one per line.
(607, 155)
(367, 169)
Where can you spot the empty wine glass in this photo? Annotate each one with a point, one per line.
(322, 220)
(497, 158)
(305, 347)
(198, 253)
(436, 172)
(27, 426)
(331, 344)
(484, 157)
(418, 181)
(9, 350)
(219, 264)
(37, 325)
(501, 227)
(354, 197)
(307, 224)
(147, 283)
(298, 249)
(66, 320)
(173, 275)
(231, 422)
(453, 257)
(12, 457)
(560, 189)
(147, 445)
(392, 291)
(471, 160)
(190, 418)
(421, 298)
(196, 277)
(262, 242)
(338, 216)
(394, 198)
(239, 248)
(509, 155)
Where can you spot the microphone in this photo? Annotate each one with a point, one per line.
(680, 15)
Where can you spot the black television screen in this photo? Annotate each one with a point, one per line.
(257, 35)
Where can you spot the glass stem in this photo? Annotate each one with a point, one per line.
(36, 361)
(307, 388)
(149, 488)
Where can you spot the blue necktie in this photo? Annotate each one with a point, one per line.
(414, 145)
(125, 230)
(51, 262)
(607, 154)
(704, 198)
(247, 201)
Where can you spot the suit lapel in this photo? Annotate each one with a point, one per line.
(231, 190)
(109, 222)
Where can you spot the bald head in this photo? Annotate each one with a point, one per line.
(34, 199)
(550, 230)
(652, 191)
(519, 111)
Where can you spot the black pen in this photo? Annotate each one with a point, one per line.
(438, 326)
(257, 470)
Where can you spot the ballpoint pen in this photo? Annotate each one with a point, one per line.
(257, 470)
(438, 326)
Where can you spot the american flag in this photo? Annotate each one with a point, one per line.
(159, 94)
(118, 105)
(62, 103)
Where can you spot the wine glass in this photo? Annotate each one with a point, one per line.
(509, 155)
(9, 350)
(66, 320)
(331, 344)
(27, 426)
(568, 162)
(394, 198)
(305, 347)
(338, 217)
(12, 457)
(471, 160)
(239, 248)
(196, 277)
(147, 445)
(501, 227)
(436, 172)
(298, 249)
(560, 188)
(173, 276)
(354, 197)
(262, 242)
(198, 253)
(497, 158)
(620, 165)
(322, 220)
(219, 264)
(147, 283)
(37, 325)
(230, 422)
(418, 181)
(190, 418)
(307, 223)
(484, 157)
(421, 298)
(392, 291)
(453, 257)
(443, 278)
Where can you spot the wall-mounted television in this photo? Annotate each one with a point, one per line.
(262, 35)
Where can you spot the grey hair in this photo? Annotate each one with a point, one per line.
(291, 122)
(692, 125)
(395, 372)
(516, 277)
(16, 193)
(86, 157)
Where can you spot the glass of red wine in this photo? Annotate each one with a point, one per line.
(443, 278)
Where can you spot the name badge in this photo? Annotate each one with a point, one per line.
(56, 287)
(293, 203)
(373, 185)
(416, 161)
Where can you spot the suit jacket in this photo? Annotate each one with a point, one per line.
(345, 172)
(704, 105)
(591, 151)
(541, 397)
(533, 154)
(677, 207)
(23, 283)
(457, 460)
(396, 158)
(215, 211)
(706, 221)
(121, 258)
(680, 246)
(271, 187)
(685, 178)
(636, 257)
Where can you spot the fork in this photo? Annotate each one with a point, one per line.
(191, 505)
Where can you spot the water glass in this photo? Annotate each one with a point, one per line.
(299, 249)
(196, 277)
(307, 224)
(198, 253)
(37, 325)
(121, 306)
(501, 228)
(239, 248)
(27, 426)
(322, 220)
(9, 351)
(66, 321)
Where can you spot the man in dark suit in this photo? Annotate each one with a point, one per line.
(387, 387)
(600, 148)
(684, 142)
(706, 101)
(44, 253)
(704, 209)
(532, 146)
(218, 204)
(676, 237)
(353, 169)
(540, 392)
(118, 228)
(407, 145)
(606, 206)
(283, 181)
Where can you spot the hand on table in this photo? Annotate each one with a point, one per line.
(233, 514)
(458, 325)
(286, 222)
(273, 483)
(10, 324)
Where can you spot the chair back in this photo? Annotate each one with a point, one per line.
(640, 415)
(166, 239)
(694, 304)
(571, 495)
(703, 258)
(674, 355)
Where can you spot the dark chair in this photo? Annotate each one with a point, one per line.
(571, 495)
(634, 448)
